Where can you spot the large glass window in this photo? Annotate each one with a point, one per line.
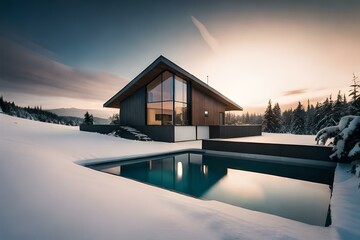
(166, 100)
(181, 116)
(154, 90)
(167, 113)
(181, 110)
(154, 113)
(167, 86)
(180, 90)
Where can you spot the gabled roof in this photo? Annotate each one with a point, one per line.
(153, 70)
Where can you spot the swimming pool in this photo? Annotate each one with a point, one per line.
(296, 189)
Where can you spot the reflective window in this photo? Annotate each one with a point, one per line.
(181, 115)
(154, 113)
(167, 113)
(154, 90)
(163, 108)
(180, 90)
(167, 86)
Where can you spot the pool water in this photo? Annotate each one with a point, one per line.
(297, 192)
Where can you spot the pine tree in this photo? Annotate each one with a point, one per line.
(309, 119)
(268, 123)
(298, 120)
(88, 119)
(115, 119)
(354, 104)
(323, 116)
(247, 118)
(339, 109)
(286, 120)
(277, 124)
(354, 92)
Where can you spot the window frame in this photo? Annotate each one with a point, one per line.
(186, 103)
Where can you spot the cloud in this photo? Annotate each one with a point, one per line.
(25, 71)
(294, 92)
(209, 39)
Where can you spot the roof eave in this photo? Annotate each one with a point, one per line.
(230, 105)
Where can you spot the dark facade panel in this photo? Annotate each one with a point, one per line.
(321, 153)
(158, 133)
(234, 131)
(103, 129)
(200, 103)
(132, 109)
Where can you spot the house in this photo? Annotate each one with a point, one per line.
(169, 104)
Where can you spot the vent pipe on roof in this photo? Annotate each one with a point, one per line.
(207, 80)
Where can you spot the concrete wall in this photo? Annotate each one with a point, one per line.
(321, 153)
(185, 133)
(235, 131)
(202, 132)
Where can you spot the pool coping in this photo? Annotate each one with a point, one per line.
(245, 156)
(98, 161)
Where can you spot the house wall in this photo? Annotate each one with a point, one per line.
(158, 133)
(133, 109)
(235, 131)
(200, 103)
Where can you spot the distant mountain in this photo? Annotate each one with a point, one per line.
(76, 112)
(97, 120)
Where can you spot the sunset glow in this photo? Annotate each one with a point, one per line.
(249, 52)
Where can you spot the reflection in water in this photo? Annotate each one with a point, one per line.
(205, 169)
(179, 171)
(113, 170)
(238, 182)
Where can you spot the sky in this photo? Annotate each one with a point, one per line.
(80, 53)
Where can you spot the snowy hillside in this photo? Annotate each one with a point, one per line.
(45, 194)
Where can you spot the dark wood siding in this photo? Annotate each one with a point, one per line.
(200, 103)
(132, 109)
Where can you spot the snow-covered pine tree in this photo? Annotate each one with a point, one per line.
(298, 120)
(323, 115)
(268, 123)
(277, 118)
(354, 105)
(346, 138)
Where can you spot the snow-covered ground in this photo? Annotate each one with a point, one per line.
(278, 138)
(46, 195)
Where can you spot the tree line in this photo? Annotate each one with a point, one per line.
(35, 113)
(313, 118)
(234, 119)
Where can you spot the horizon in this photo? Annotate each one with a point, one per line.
(78, 55)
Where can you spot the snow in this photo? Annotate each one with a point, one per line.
(345, 133)
(326, 133)
(345, 203)
(280, 138)
(355, 150)
(45, 194)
